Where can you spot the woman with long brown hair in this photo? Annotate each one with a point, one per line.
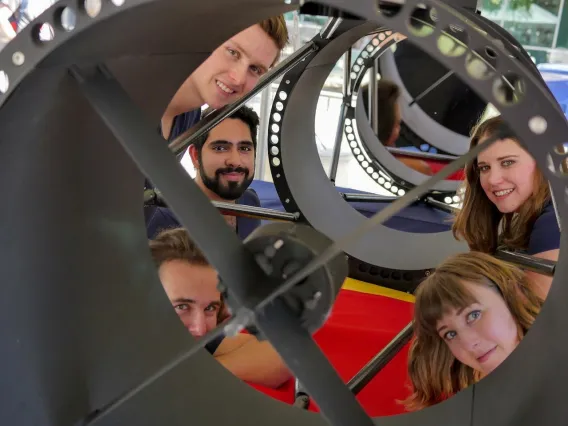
(507, 201)
(469, 315)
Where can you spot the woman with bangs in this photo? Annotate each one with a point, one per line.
(507, 202)
(469, 316)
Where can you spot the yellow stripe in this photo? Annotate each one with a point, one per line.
(363, 287)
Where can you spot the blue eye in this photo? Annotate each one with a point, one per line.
(473, 315)
(450, 335)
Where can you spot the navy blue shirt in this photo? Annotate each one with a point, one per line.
(160, 218)
(545, 234)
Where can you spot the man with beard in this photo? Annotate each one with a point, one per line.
(224, 159)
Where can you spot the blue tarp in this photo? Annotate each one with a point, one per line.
(418, 217)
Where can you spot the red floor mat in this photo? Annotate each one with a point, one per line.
(360, 326)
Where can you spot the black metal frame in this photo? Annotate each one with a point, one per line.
(540, 354)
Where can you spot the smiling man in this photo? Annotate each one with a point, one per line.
(230, 72)
(224, 160)
(190, 283)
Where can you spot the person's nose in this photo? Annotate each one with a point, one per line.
(470, 339)
(495, 176)
(197, 326)
(238, 74)
(233, 159)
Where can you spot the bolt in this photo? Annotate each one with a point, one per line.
(312, 303)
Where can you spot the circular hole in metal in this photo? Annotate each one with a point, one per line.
(349, 129)
(388, 185)
(275, 128)
(360, 158)
(381, 180)
(456, 199)
(401, 192)
(350, 137)
(394, 189)
(279, 106)
(353, 144)
(422, 20)
(287, 81)
(448, 200)
(561, 149)
(347, 121)
(353, 76)
(93, 7)
(4, 82)
(388, 10)
(563, 169)
(276, 117)
(360, 61)
(477, 67)
(282, 95)
(356, 151)
(276, 161)
(43, 32)
(453, 41)
(278, 175)
(369, 48)
(356, 68)
(365, 164)
(538, 125)
(508, 89)
(287, 200)
(274, 150)
(66, 18)
(274, 139)
(375, 175)
(369, 170)
(364, 54)
(18, 59)
(489, 51)
(375, 41)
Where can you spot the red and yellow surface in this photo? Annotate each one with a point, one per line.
(365, 318)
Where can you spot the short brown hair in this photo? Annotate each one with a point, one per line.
(175, 244)
(277, 30)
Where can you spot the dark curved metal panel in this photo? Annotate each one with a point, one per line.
(84, 317)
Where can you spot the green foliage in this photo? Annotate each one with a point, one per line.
(493, 5)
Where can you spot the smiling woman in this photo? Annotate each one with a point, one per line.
(507, 201)
(469, 316)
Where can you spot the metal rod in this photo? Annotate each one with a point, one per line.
(366, 198)
(442, 206)
(262, 145)
(231, 209)
(373, 98)
(379, 361)
(242, 210)
(419, 154)
(525, 261)
(432, 87)
(330, 27)
(343, 112)
(180, 143)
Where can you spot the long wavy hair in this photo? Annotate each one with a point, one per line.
(435, 374)
(479, 222)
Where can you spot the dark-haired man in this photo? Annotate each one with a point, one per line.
(224, 160)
